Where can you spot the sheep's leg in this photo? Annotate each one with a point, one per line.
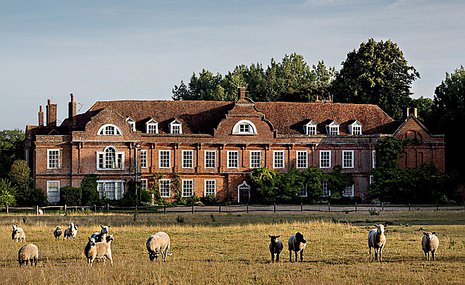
(380, 254)
(35, 261)
(433, 253)
(376, 254)
(290, 255)
(277, 256)
(296, 254)
(301, 255)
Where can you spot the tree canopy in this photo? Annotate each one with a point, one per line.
(292, 79)
(11, 149)
(376, 73)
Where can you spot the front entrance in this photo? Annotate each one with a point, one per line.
(243, 193)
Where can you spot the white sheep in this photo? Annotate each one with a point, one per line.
(276, 246)
(28, 252)
(102, 235)
(71, 231)
(40, 212)
(57, 232)
(156, 244)
(98, 250)
(17, 234)
(377, 241)
(429, 243)
(296, 243)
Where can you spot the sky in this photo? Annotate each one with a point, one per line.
(111, 49)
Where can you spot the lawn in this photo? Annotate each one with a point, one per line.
(233, 249)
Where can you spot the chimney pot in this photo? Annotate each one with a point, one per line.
(51, 114)
(71, 108)
(242, 92)
(41, 116)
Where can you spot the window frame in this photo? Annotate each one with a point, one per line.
(174, 124)
(275, 162)
(183, 159)
(151, 123)
(161, 183)
(142, 182)
(352, 159)
(160, 164)
(205, 194)
(321, 158)
(373, 159)
(102, 131)
(253, 159)
(236, 160)
(297, 159)
(310, 126)
(356, 128)
(251, 126)
(118, 188)
(206, 158)
(325, 188)
(119, 157)
(352, 189)
(58, 182)
(183, 193)
(143, 158)
(58, 159)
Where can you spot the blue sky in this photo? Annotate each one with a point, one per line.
(104, 50)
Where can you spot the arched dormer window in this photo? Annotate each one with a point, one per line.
(109, 158)
(355, 128)
(131, 123)
(310, 128)
(244, 127)
(109, 130)
(151, 127)
(175, 128)
(332, 129)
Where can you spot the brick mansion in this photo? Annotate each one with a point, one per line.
(212, 145)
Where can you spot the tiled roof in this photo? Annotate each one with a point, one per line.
(201, 117)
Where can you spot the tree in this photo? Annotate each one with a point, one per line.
(449, 108)
(337, 181)
(377, 73)
(20, 177)
(70, 196)
(90, 195)
(425, 112)
(7, 193)
(263, 185)
(11, 149)
(312, 179)
(289, 184)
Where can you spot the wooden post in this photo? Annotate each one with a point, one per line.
(95, 208)
(329, 207)
(192, 208)
(7, 209)
(274, 207)
(219, 208)
(247, 208)
(301, 207)
(37, 210)
(382, 206)
(356, 207)
(437, 206)
(409, 207)
(164, 208)
(108, 207)
(66, 209)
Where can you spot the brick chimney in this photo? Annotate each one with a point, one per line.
(41, 116)
(242, 93)
(415, 112)
(71, 107)
(51, 114)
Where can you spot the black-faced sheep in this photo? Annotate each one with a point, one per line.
(296, 243)
(17, 234)
(377, 241)
(70, 231)
(102, 235)
(57, 232)
(98, 250)
(276, 246)
(430, 243)
(158, 243)
(28, 252)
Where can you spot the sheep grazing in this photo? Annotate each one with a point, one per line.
(102, 235)
(71, 231)
(17, 234)
(28, 253)
(156, 244)
(296, 243)
(429, 243)
(57, 232)
(276, 246)
(98, 250)
(377, 241)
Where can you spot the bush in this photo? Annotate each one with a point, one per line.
(209, 200)
(70, 196)
(90, 194)
(7, 192)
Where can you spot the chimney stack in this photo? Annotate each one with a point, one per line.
(71, 108)
(41, 116)
(415, 112)
(51, 114)
(407, 112)
(242, 93)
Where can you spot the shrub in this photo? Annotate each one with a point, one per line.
(209, 200)
(90, 194)
(70, 195)
(7, 192)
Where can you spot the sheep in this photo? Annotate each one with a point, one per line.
(102, 235)
(57, 232)
(296, 243)
(71, 231)
(28, 252)
(429, 243)
(17, 234)
(276, 246)
(156, 244)
(109, 238)
(377, 241)
(98, 250)
(40, 212)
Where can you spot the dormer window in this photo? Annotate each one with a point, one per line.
(131, 123)
(151, 127)
(244, 127)
(310, 128)
(175, 128)
(355, 128)
(332, 129)
(109, 130)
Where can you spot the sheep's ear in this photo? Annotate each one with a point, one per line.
(277, 236)
(434, 233)
(88, 238)
(425, 233)
(101, 226)
(270, 236)
(376, 225)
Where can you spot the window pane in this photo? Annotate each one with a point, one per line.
(143, 158)
(165, 158)
(187, 159)
(325, 159)
(210, 159)
(187, 188)
(347, 159)
(278, 159)
(164, 187)
(210, 187)
(302, 159)
(233, 159)
(255, 159)
(53, 161)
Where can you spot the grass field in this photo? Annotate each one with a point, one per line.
(233, 249)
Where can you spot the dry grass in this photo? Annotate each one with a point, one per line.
(233, 249)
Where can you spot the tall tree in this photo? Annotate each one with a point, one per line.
(449, 107)
(11, 149)
(377, 73)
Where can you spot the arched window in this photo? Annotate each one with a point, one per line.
(109, 158)
(109, 130)
(244, 127)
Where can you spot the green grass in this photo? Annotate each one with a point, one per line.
(233, 249)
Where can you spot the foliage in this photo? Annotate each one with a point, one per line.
(425, 112)
(70, 196)
(7, 193)
(377, 73)
(129, 198)
(209, 200)
(32, 197)
(337, 181)
(289, 184)
(20, 174)
(263, 185)
(11, 149)
(176, 188)
(387, 152)
(313, 178)
(290, 80)
(90, 195)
